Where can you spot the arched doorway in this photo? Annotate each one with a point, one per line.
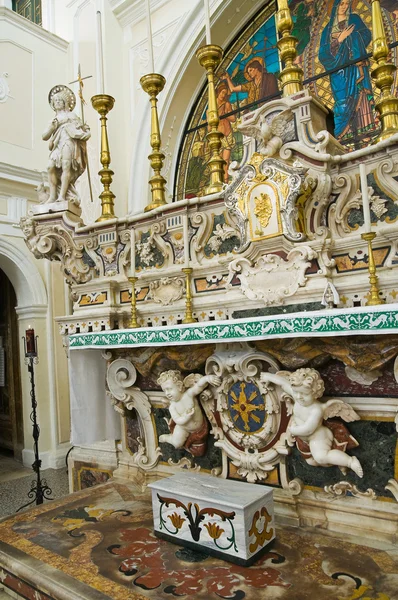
(11, 410)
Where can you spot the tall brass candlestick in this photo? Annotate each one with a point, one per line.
(189, 318)
(133, 324)
(209, 57)
(103, 104)
(374, 287)
(291, 76)
(383, 74)
(152, 84)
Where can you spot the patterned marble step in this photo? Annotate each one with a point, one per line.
(224, 518)
(361, 320)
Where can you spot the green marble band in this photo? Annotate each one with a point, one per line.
(363, 320)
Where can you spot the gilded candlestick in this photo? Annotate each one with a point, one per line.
(383, 75)
(291, 76)
(103, 103)
(133, 324)
(209, 57)
(189, 318)
(374, 299)
(153, 84)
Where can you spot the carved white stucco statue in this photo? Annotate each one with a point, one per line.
(67, 136)
(321, 443)
(188, 425)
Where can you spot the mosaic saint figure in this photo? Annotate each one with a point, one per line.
(346, 38)
(67, 136)
(260, 83)
(228, 141)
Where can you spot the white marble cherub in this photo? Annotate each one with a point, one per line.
(186, 414)
(309, 421)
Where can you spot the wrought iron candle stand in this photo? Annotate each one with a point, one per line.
(39, 491)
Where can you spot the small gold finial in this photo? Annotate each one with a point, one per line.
(103, 103)
(152, 84)
(291, 76)
(374, 297)
(209, 58)
(189, 318)
(383, 75)
(133, 323)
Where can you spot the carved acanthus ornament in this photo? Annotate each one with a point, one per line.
(56, 243)
(342, 488)
(263, 200)
(271, 278)
(167, 291)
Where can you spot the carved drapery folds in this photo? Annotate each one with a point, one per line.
(120, 378)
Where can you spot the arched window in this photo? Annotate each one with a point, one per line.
(30, 9)
(334, 52)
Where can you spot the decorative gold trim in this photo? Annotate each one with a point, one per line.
(209, 58)
(103, 103)
(189, 318)
(383, 74)
(153, 84)
(133, 323)
(255, 238)
(374, 299)
(291, 76)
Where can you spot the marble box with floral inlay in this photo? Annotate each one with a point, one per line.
(229, 519)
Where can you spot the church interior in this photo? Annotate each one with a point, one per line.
(198, 237)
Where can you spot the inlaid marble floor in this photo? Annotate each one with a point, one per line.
(98, 544)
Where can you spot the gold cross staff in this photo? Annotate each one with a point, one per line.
(79, 80)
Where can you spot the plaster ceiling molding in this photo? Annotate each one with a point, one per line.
(120, 378)
(271, 278)
(167, 291)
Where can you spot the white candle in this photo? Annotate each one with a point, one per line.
(365, 198)
(149, 33)
(100, 55)
(132, 258)
(186, 240)
(207, 22)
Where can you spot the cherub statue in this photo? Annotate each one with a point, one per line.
(188, 426)
(321, 442)
(67, 136)
(269, 133)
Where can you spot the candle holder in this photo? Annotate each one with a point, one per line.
(383, 74)
(39, 490)
(153, 84)
(189, 318)
(103, 103)
(374, 299)
(133, 323)
(209, 57)
(291, 76)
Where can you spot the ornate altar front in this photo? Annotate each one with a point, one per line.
(237, 332)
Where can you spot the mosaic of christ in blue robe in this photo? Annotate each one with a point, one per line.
(346, 39)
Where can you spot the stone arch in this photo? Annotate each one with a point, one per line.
(24, 276)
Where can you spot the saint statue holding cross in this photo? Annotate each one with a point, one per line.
(67, 135)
